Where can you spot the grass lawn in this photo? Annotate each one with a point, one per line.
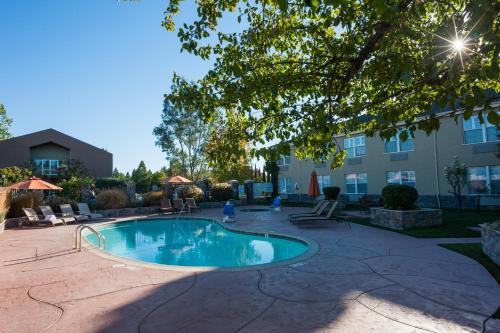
(474, 251)
(455, 224)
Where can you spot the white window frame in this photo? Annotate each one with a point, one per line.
(286, 185)
(320, 183)
(400, 172)
(282, 160)
(483, 129)
(356, 182)
(352, 144)
(398, 143)
(488, 179)
(50, 169)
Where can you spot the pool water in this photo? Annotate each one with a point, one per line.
(193, 242)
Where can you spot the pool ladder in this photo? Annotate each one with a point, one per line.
(78, 236)
(184, 209)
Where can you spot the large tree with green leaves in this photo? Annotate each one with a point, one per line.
(300, 71)
(183, 134)
(5, 123)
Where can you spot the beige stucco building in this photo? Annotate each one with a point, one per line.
(372, 163)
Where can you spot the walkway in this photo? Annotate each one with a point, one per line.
(362, 279)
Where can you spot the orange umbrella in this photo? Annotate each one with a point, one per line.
(176, 180)
(313, 185)
(34, 183)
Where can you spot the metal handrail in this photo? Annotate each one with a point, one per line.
(78, 236)
(184, 205)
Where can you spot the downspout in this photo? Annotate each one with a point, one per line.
(438, 191)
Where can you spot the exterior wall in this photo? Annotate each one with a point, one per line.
(431, 153)
(51, 150)
(16, 151)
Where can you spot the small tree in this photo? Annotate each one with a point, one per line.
(457, 176)
(5, 123)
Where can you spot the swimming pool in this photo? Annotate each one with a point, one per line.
(194, 242)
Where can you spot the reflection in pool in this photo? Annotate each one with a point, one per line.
(193, 242)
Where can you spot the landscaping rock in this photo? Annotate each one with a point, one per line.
(490, 239)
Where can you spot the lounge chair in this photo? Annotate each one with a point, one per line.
(67, 211)
(191, 203)
(48, 213)
(305, 221)
(321, 208)
(178, 204)
(165, 206)
(313, 211)
(33, 217)
(83, 209)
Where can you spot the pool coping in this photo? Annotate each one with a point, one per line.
(312, 249)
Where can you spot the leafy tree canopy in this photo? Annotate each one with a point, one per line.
(302, 70)
(5, 123)
(13, 174)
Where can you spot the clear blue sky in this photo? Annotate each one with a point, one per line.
(93, 69)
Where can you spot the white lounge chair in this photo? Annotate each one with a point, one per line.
(67, 211)
(33, 217)
(83, 209)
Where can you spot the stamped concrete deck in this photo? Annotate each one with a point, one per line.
(361, 280)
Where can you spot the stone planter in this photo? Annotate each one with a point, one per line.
(129, 211)
(405, 219)
(490, 240)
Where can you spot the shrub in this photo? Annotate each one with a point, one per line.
(221, 192)
(110, 183)
(14, 174)
(189, 191)
(151, 198)
(331, 192)
(72, 187)
(24, 200)
(111, 199)
(54, 203)
(401, 197)
(5, 195)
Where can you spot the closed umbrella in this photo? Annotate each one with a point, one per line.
(313, 186)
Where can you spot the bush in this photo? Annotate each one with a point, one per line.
(110, 183)
(189, 191)
(331, 192)
(111, 199)
(54, 203)
(152, 198)
(24, 200)
(72, 187)
(221, 192)
(400, 197)
(14, 174)
(5, 195)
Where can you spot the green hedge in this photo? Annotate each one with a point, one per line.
(400, 197)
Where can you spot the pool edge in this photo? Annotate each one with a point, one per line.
(312, 249)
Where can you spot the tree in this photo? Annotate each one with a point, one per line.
(5, 123)
(13, 174)
(183, 134)
(142, 177)
(273, 170)
(457, 176)
(301, 71)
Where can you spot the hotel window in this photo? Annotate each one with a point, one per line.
(355, 146)
(283, 160)
(475, 132)
(323, 181)
(285, 185)
(356, 183)
(401, 177)
(47, 167)
(396, 145)
(484, 180)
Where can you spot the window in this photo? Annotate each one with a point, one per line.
(484, 180)
(396, 145)
(283, 160)
(355, 146)
(475, 132)
(47, 167)
(323, 181)
(401, 177)
(356, 183)
(285, 185)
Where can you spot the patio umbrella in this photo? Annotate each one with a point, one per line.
(173, 181)
(313, 186)
(34, 183)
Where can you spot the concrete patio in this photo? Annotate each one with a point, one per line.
(361, 279)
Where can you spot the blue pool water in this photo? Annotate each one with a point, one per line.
(193, 242)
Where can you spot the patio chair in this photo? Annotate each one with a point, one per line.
(48, 213)
(83, 209)
(178, 203)
(318, 220)
(165, 206)
(33, 217)
(67, 211)
(320, 209)
(191, 203)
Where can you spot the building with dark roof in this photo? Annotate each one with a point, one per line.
(49, 151)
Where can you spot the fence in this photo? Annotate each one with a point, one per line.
(4, 201)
